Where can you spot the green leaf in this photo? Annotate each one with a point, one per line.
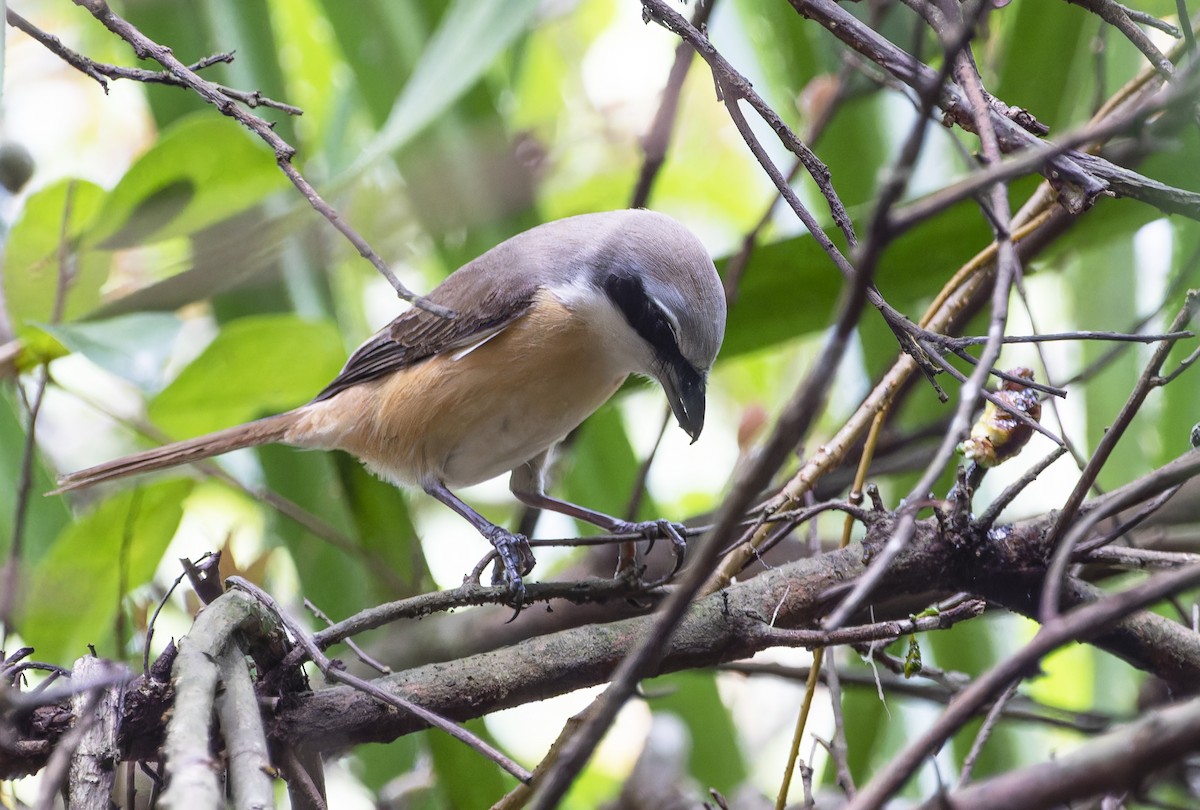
(75, 589)
(601, 468)
(466, 778)
(384, 527)
(1040, 59)
(31, 262)
(335, 577)
(205, 168)
(255, 366)
(1110, 267)
(471, 34)
(382, 38)
(38, 347)
(134, 347)
(45, 517)
(790, 288)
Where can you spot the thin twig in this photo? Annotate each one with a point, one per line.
(333, 671)
(146, 48)
(985, 732)
(658, 137)
(1147, 381)
(1060, 630)
(1014, 489)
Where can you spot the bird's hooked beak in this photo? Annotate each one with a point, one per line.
(685, 388)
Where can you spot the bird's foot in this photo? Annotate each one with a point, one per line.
(654, 530)
(515, 561)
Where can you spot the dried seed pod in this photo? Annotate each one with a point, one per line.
(998, 435)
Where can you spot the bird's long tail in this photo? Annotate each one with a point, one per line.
(251, 434)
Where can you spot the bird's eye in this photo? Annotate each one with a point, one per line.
(674, 327)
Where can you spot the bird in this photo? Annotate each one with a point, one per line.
(546, 326)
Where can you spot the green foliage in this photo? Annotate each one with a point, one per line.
(77, 587)
(61, 212)
(44, 517)
(453, 762)
(134, 347)
(203, 169)
(255, 366)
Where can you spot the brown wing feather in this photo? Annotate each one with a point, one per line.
(480, 307)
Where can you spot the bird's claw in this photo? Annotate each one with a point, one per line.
(515, 560)
(653, 530)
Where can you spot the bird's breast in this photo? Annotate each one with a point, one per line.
(466, 417)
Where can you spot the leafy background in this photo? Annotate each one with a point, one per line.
(207, 292)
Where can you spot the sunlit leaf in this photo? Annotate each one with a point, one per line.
(33, 275)
(203, 169)
(44, 517)
(38, 347)
(255, 366)
(74, 590)
(472, 33)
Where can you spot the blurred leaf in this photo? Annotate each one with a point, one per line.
(134, 347)
(203, 169)
(470, 36)
(973, 647)
(335, 577)
(790, 288)
(600, 470)
(181, 25)
(255, 366)
(790, 51)
(380, 764)
(227, 256)
(73, 595)
(38, 347)
(45, 517)
(384, 526)
(1102, 281)
(870, 729)
(383, 38)
(1035, 59)
(466, 778)
(31, 261)
(716, 760)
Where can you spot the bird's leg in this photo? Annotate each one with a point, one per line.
(516, 557)
(650, 529)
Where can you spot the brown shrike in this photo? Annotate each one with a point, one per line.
(548, 326)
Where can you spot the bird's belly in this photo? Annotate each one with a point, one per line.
(462, 421)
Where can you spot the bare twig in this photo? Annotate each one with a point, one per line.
(1118, 761)
(1016, 487)
(1146, 383)
(985, 732)
(101, 71)
(658, 138)
(334, 672)
(146, 48)
(1118, 17)
(1060, 630)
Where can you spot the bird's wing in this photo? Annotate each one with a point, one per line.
(481, 312)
